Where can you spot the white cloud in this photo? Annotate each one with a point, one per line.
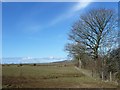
(28, 26)
(26, 58)
(81, 5)
(77, 7)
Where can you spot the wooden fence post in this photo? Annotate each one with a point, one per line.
(110, 76)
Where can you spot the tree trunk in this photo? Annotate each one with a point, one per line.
(92, 72)
(79, 63)
(102, 75)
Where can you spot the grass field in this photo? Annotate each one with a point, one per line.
(51, 76)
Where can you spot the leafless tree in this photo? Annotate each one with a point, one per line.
(76, 51)
(92, 29)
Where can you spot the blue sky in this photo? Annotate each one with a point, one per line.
(40, 29)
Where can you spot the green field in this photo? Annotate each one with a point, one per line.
(49, 76)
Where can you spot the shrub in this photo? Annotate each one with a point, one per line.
(21, 65)
(34, 64)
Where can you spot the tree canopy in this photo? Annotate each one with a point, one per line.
(92, 29)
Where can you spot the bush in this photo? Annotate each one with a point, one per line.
(34, 64)
(21, 65)
(117, 75)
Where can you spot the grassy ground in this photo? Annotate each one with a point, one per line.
(54, 76)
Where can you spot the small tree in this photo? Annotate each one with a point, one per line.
(76, 51)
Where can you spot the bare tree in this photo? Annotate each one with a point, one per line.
(76, 51)
(92, 29)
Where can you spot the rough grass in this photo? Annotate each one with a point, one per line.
(55, 76)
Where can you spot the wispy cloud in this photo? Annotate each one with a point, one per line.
(33, 28)
(77, 7)
(81, 5)
(28, 25)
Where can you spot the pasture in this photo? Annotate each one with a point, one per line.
(48, 76)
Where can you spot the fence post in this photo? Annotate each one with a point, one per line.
(110, 76)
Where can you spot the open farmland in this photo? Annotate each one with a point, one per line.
(48, 76)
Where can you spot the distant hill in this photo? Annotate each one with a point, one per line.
(64, 61)
(24, 60)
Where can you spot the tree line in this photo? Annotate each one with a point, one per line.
(94, 43)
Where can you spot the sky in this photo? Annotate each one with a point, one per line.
(40, 29)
